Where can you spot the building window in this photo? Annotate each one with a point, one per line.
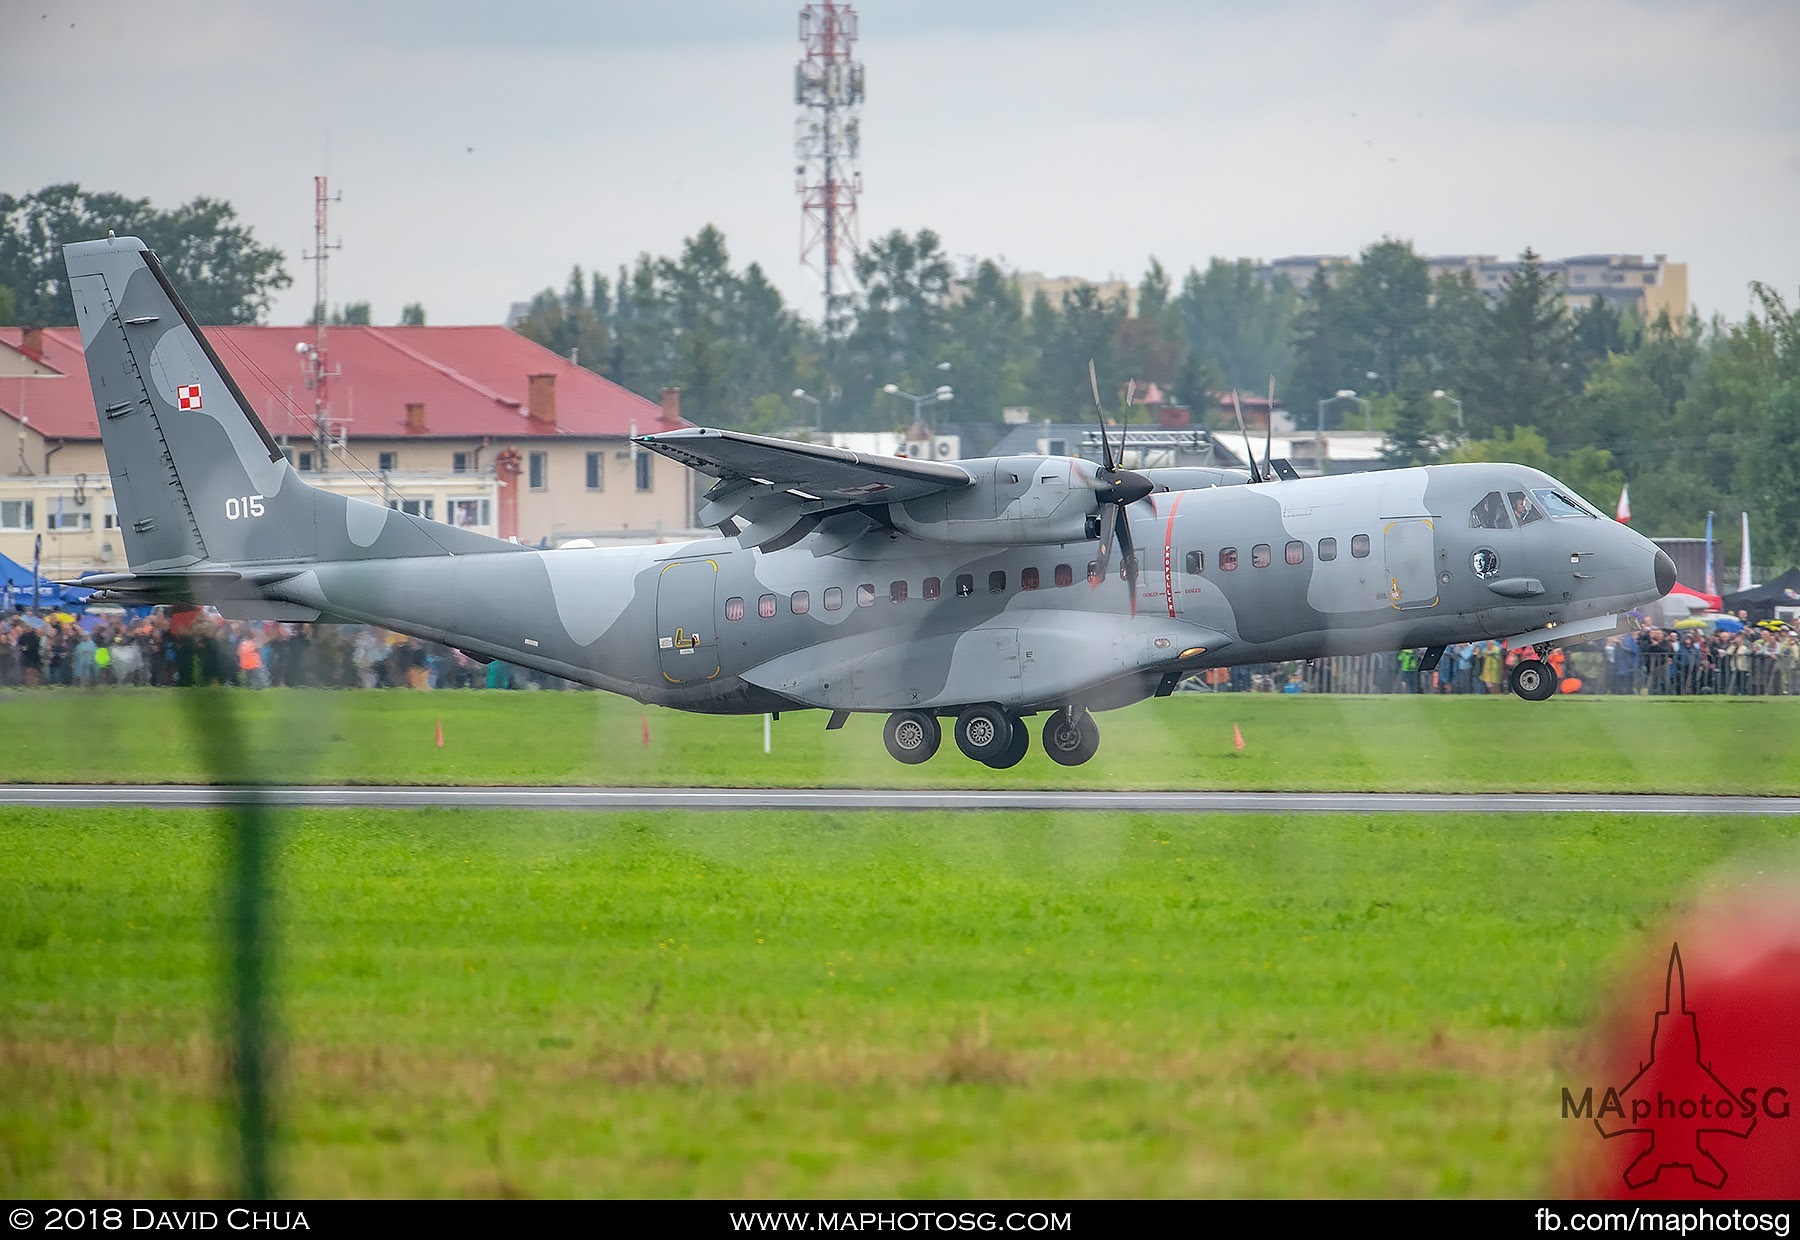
(933, 587)
(469, 512)
(387, 462)
(17, 514)
(765, 606)
(997, 581)
(1196, 562)
(801, 602)
(1327, 549)
(1065, 575)
(412, 507)
(896, 591)
(1359, 547)
(834, 598)
(1228, 559)
(644, 478)
(865, 594)
(1260, 556)
(540, 471)
(459, 462)
(1056, 447)
(80, 519)
(734, 608)
(304, 463)
(1296, 553)
(596, 471)
(1028, 579)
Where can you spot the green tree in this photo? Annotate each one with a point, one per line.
(224, 275)
(413, 314)
(1770, 476)
(986, 344)
(1234, 321)
(1522, 378)
(1388, 299)
(1328, 353)
(1410, 439)
(901, 316)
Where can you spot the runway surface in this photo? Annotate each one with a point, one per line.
(188, 796)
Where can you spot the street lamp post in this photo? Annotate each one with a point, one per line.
(943, 393)
(1441, 394)
(818, 409)
(1342, 394)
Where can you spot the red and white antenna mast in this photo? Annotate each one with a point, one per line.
(315, 366)
(828, 87)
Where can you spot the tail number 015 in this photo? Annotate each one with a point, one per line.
(239, 507)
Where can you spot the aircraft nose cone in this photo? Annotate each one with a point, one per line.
(1665, 572)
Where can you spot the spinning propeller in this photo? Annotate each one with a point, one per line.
(1121, 488)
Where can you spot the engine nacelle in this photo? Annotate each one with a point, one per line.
(1015, 500)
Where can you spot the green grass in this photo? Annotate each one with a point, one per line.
(751, 1005)
(1323, 743)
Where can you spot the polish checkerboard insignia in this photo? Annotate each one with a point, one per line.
(187, 396)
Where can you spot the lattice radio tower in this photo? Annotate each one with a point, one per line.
(828, 87)
(315, 363)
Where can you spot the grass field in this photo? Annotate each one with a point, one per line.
(937, 1005)
(1323, 743)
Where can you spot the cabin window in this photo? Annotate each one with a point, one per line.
(834, 597)
(1227, 559)
(801, 602)
(1490, 513)
(997, 582)
(1196, 562)
(1524, 511)
(1065, 575)
(1028, 579)
(765, 606)
(1260, 556)
(734, 609)
(865, 594)
(1559, 505)
(933, 587)
(1295, 552)
(896, 591)
(1359, 547)
(965, 584)
(1327, 549)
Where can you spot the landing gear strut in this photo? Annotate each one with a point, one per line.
(1071, 736)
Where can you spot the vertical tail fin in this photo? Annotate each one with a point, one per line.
(197, 478)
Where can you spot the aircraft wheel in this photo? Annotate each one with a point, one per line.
(1071, 741)
(983, 732)
(1532, 680)
(1016, 748)
(912, 736)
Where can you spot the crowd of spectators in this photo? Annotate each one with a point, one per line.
(199, 648)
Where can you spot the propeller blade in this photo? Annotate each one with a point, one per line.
(1099, 573)
(1123, 523)
(1100, 412)
(1249, 452)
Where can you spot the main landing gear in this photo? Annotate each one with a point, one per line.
(1533, 679)
(993, 736)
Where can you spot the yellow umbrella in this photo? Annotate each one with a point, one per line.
(1690, 623)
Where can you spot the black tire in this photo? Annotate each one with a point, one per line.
(1071, 742)
(983, 732)
(912, 736)
(1532, 680)
(1016, 749)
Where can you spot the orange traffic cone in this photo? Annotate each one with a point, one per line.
(1237, 737)
(644, 723)
(440, 733)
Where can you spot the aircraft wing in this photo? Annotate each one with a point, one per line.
(818, 471)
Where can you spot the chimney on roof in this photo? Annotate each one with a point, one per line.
(415, 417)
(31, 343)
(671, 406)
(541, 400)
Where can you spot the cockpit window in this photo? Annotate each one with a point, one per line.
(1490, 513)
(1559, 505)
(1524, 511)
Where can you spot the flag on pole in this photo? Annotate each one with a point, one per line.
(1744, 560)
(1710, 589)
(1237, 737)
(1623, 516)
(440, 733)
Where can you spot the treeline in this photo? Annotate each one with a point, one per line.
(1696, 416)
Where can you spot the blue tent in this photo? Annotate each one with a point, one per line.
(15, 589)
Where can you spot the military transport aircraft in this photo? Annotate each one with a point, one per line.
(980, 591)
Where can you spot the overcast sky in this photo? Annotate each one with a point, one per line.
(483, 148)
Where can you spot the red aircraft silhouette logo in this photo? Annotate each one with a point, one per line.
(1680, 1104)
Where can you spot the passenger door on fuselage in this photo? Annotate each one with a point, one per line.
(687, 620)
